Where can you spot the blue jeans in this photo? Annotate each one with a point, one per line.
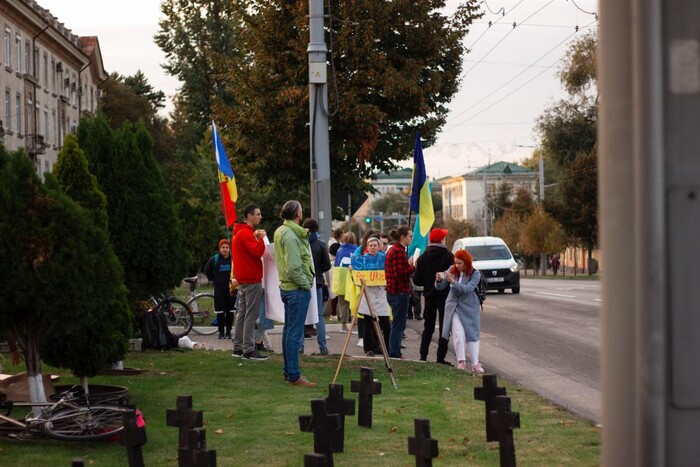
(399, 309)
(321, 326)
(296, 304)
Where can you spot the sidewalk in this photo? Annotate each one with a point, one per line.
(335, 342)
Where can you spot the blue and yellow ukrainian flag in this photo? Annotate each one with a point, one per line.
(421, 201)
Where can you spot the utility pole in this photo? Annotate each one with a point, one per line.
(318, 116)
(486, 230)
(649, 62)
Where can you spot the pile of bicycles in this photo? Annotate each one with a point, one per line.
(70, 418)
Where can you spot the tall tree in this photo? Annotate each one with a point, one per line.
(542, 234)
(141, 87)
(145, 231)
(569, 138)
(396, 67)
(57, 274)
(197, 36)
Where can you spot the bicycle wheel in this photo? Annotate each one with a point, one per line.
(85, 423)
(178, 315)
(202, 306)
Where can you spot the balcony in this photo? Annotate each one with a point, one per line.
(35, 145)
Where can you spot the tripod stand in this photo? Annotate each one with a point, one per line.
(377, 330)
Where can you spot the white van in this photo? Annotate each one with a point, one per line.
(495, 261)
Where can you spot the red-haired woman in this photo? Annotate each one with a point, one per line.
(462, 309)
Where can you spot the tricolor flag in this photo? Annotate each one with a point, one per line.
(421, 201)
(227, 181)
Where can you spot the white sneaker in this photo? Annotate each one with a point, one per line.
(361, 343)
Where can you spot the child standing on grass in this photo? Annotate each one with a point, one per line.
(218, 271)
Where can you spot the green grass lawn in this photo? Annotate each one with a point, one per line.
(251, 416)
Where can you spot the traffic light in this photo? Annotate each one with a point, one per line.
(368, 220)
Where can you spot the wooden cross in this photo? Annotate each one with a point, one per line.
(504, 421)
(133, 438)
(315, 460)
(184, 418)
(488, 394)
(321, 424)
(422, 445)
(195, 454)
(367, 388)
(335, 404)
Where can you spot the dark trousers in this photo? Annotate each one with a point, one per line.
(370, 339)
(434, 306)
(414, 308)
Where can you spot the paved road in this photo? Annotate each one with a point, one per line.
(547, 339)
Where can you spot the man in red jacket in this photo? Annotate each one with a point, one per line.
(248, 249)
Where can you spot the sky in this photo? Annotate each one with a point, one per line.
(509, 76)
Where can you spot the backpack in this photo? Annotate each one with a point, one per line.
(155, 332)
(481, 288)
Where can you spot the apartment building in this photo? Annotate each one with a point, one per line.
(465, 197)
(49, 78)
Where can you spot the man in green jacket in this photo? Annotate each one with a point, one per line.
(295, 269)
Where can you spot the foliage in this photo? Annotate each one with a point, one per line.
(501, 202)
(145, 231)
(141, 87)
(120, 103)
(457, 229)
(393, 76)
(569, 137)
(580, 188)
(542, 234)
(61, 283)
(510, 227)
(579, 75)
(195, 36)
(78, 183)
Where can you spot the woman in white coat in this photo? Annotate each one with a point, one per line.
(462, 309)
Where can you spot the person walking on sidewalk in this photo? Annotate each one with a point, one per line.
(218, 271)
(248, 249)
(437, 258)
(398, 269)
(322, 263)
(462, 309)
(293, 256)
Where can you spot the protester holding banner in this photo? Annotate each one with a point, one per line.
(398, 269)
(376, 295)
(342, 261)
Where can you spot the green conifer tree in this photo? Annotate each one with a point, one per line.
(57, 275)
(144, 229)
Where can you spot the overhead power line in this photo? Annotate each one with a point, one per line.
(492, 23)
(519, 74)
(515, 25)
(516, 89)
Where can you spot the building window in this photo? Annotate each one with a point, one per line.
(92, 99)
(55, 126)
(46, 126)
(36, 63)
(18, 53)
(8, 111)
(27, 58)
(18, 112)
(47, 167)
(46, 70)
(53, 75)
(8, 58)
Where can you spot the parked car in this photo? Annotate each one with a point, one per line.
(493, 259)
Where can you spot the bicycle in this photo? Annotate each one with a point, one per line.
(177, 313)
(67, 419)
(202, 306)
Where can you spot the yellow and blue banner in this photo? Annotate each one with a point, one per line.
(421, 201)
(370, 268)
(227, 180)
